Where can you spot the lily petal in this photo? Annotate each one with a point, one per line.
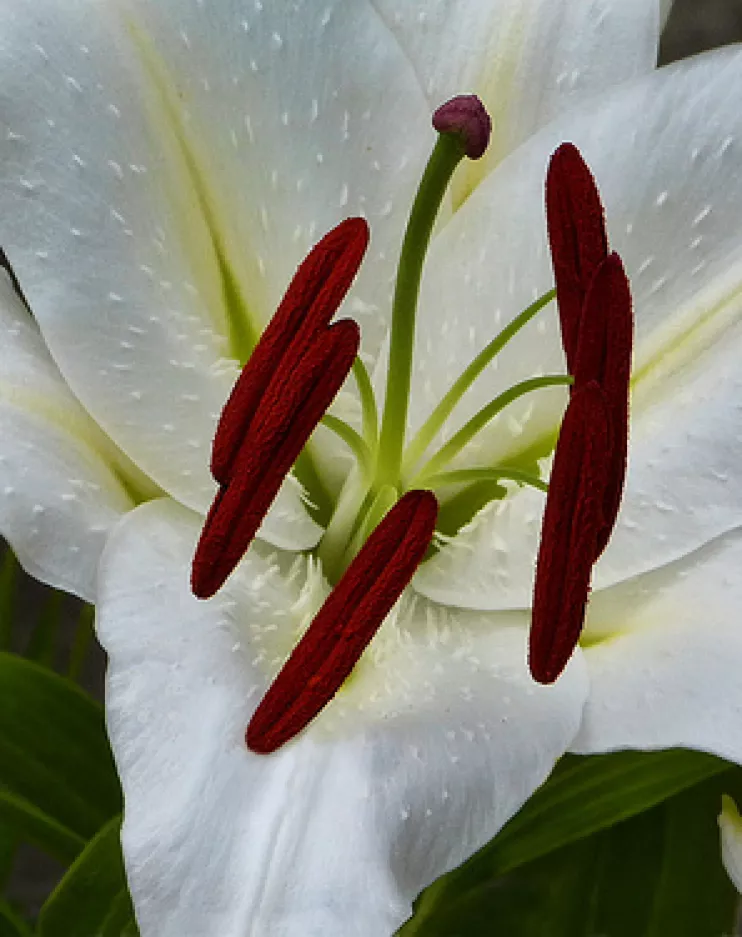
(528, 60)
(673, 214)
(165, 167)
(411, 768)
(61, 490)
(663, 654)
(730, 828)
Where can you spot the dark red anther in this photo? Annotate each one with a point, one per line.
(466, 117)
(316, 291)
(573, 520)
(604, 355)
(346, 623)
(293, 404)
(577, 235)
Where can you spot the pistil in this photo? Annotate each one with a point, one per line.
(464, 127)
(344, 626)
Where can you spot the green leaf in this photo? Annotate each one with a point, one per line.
(8, 578)
(658, 874)
(53, 748)
(583, 796)
(587, 794)
(92, 898)
(42, 642)
(34, 826)
(11, 924)
(81, 642)
(9, 842)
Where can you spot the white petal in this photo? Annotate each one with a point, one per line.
(151, 150)
(730, 828)
(664, 671)
(490, 563)
(60, 489)
(437, 739)
(528, 60)
(664, 152)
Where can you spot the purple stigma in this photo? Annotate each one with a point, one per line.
(465, 116)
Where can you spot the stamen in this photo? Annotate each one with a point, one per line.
(577, 235)
(573, 520)
(434, 423)
(604, 355)
(346, 623)
(314, 295)
(291, 407)
(469, 430)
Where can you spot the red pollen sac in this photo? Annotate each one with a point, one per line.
(573, 519)
(604, 355)
(577, 236)
(346, 623)
(314, 295)
(295, 401)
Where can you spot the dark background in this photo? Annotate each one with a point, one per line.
(694, 25)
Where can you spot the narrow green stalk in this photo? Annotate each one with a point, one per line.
(338, 532)
(481, 419)
(467, 476)
(427, 432)
(351, 438)
(368, 403)
(446, 156)
(383, 503)
(309, 477)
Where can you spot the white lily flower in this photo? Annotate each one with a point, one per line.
(165, 167)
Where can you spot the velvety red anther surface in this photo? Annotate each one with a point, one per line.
(295, 401)
(346, 623)
(604, 355)
(573, 519)
(316, 291)
(577, 236)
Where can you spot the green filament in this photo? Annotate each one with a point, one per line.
(351, 438)
(440, 414)
(468, 476)
(481, 419)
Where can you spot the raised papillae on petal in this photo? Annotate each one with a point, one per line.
(292, 377)
(573, 520)
(316, 291)
(577, 236)
(346, 623)
(466, 117)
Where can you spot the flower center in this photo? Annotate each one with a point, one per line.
(384, 522)
(387, 466)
